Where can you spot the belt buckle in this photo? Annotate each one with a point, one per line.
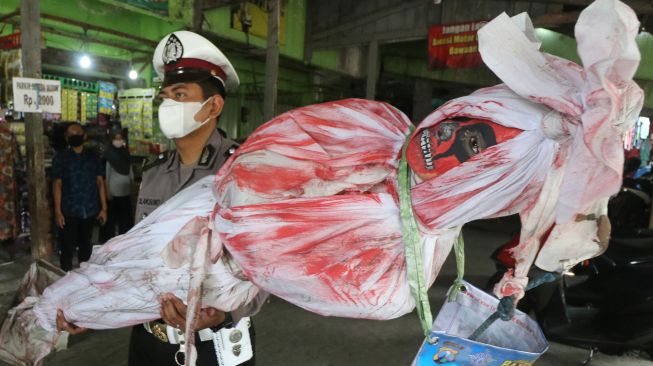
(159, 331)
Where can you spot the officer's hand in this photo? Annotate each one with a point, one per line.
(102, 217)
(61, 221)
(210, 317)
(62, 324)
(173, 312)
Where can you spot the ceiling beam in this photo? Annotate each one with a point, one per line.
(377, 15)
(135, 9)
(556, 19)
(87, 26)
(8, 16)
(383, 37)
(68, 59)
(85, 38)
(211, 4)
(89, 39)
(639, 6)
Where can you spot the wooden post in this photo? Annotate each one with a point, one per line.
(272, 62)
(30, 39)
(422, 97)
(198, 13)
(372, 69)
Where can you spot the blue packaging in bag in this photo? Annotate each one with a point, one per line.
(517, 342)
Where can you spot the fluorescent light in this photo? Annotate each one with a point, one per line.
(85, 62)
(133, 74)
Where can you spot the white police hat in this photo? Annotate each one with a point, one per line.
(185, 56)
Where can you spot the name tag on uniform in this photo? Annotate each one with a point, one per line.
(149, 201)
(233, 345)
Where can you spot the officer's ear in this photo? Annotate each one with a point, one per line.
(217, 103)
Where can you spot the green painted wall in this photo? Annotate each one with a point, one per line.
(327, 59)
(564, 46)
(112, 14)
(412, 63)
(219, 21)
(414, 67)
(101, 14)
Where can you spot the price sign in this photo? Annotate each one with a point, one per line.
(37, 95)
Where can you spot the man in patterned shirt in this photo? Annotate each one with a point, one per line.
(79, 196)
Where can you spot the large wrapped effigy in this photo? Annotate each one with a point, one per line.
(308, 208)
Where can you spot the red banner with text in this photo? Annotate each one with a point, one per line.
(10, 42)
(454, 46)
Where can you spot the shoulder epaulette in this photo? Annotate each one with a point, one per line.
(157, 160)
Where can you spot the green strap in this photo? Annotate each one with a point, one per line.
(413, 247)
(459, 249)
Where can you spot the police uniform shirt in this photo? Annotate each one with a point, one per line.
(166, 175)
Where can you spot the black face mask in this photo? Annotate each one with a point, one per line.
(75, 140)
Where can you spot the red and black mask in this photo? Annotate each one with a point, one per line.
(437, 149)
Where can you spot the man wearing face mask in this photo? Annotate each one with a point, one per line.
(79, 196)
(196, 76)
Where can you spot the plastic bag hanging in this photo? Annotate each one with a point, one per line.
(518, 341)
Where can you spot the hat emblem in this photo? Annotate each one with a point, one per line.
(173, 50)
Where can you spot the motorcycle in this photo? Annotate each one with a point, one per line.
(603, 304)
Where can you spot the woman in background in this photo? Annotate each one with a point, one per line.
(119, 177)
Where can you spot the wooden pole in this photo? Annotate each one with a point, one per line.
(39, 209)
(372, 69)
(272, 62)
(198, 13)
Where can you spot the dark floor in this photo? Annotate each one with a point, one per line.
(289, 336)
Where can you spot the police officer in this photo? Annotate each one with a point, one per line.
(196, 76)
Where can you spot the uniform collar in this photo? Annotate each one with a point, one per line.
(208, 156)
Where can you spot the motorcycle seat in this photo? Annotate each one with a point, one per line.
(633, 243)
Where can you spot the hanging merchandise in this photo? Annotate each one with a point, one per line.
(82, 107)
(148, 127)
(79, 100)
(636, 132)
(635, 137)
(18, 129)
(134, 119)
(10, 66)
(629, 139)
(645, 153)
(9, 157)
(69, 99)
(106, 97)
(136, 112)
(89, 105)
(645, 125)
